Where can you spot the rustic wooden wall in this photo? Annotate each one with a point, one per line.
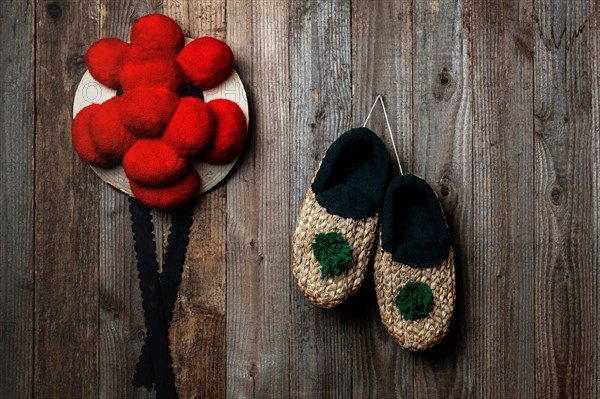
(495, 103)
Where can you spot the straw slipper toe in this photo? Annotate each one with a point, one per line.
(414, 265)
(337, 223)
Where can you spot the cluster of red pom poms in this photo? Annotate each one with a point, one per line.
(151, 129)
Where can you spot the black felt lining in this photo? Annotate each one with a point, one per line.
(159, 293)
(351, 180)
(413, 228)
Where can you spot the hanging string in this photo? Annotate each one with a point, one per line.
(387, 121)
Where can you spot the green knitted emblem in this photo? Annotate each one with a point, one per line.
(333, 253)
(415, 300)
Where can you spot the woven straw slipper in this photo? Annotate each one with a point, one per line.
(414, 265)
(337, 223)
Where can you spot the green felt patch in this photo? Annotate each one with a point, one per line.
(415, 300)
(333, 253)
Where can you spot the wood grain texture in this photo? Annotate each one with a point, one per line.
(565, 313)
(495, 103)
(382, 64)
(121, 316)
(66, 212)
(197, 335)
(258, 227)
(502, 40)
(321, 86)
(594, 49)
(16, 198)
(200, 311)
(443, 135)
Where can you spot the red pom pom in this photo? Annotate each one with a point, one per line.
(155, 72)
(206, 62)
(157, 33)
(168, 196)
(147, 112)
(151, 162)
(230, 136)
(80, 135)
(110, 137)
(192, 127)
(104, 60)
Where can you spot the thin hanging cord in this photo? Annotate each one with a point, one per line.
(387, 121)
(371, 111)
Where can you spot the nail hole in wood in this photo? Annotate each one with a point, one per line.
(444, 76)
(555, 195)
(53, 10)
(445, 191)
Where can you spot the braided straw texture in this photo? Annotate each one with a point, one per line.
(390, 277)
(360, 235)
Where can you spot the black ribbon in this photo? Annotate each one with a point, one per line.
(159, 293)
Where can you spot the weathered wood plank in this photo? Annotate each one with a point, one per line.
(207, 17)
(258, 206)
(382, 63)
(121, 315)
(16, 198)
(565, 314)
(197, 335)
(520, 191)
(442, 95)
(66, 211)
(321, 91)
(180, 12)
(501, 291)
(594, 26)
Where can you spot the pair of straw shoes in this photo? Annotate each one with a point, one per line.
(349, 200)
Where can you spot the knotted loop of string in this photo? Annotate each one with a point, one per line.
(387, 121)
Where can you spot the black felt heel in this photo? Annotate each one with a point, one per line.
(413, 227)
(353, 175)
